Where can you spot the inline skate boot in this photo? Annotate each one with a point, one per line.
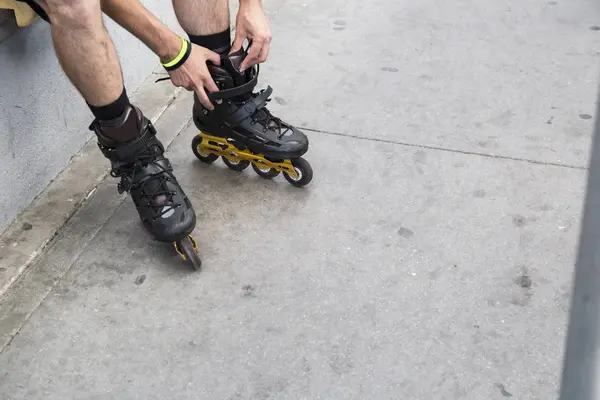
(242, 131)
(137, 157)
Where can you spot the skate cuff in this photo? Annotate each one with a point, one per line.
(130, 150)
(181, 58)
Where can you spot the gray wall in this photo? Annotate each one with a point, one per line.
(43, 120)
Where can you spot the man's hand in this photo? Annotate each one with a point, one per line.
(252, 24)
(194, 75)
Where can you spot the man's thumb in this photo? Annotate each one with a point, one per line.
(238, 42)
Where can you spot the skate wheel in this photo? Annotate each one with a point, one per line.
(267, 173)
(208, 158)
(304, 171)
(236, 165)
(188, 250)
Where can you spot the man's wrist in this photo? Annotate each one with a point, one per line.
(169, 48)
(180, 58)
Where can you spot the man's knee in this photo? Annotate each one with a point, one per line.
(75, 13)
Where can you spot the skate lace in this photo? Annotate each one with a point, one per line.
(268, 120)
(147, 196)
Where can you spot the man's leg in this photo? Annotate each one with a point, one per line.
(87, 54)
(125, 136)
(206, 22)
(244, 116)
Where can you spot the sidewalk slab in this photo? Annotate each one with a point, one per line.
(27, 237)
(398, 272)
(507, 78)
(431, 257)
(79, 230)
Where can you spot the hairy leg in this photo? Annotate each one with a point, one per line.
(202, 17)
(125, 136)
(84, 49)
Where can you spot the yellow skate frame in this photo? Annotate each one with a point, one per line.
(194, 243)
(221, 147)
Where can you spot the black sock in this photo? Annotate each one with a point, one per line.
(112, 110)
(217, 42)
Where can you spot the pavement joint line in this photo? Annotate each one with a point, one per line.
(56, 281)
(57, 236)
(184, 127)
(439, 148)
(76, 206)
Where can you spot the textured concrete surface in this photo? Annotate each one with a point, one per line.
(452, 282)
(417, 265)
(513, 78)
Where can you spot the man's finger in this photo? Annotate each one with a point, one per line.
(252, 55)
(210, 84)
(264, 52)
(203, 97)
(238, 41)
(213, 57)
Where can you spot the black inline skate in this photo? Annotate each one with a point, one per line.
(137, 157)
(242, 131)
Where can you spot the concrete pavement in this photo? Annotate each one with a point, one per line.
(430, 258)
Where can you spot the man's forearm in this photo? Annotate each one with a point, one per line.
(141, 23)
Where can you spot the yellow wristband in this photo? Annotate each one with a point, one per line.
(182, 53)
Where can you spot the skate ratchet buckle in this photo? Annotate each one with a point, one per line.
(237, 157)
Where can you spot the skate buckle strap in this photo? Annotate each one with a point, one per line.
(225, 94)
(249, 108)
(131, 149)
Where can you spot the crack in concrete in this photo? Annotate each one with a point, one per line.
(440, 148)
(56, 234)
